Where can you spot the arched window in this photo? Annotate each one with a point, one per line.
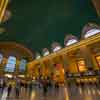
(89, 30)
(1, 58)
(69, 40)
(11, 63)
(22, 65)
(56, 47)
(45, 52)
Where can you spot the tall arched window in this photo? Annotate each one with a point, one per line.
(1, 58)
(22, 65)
(55, 46)
(11, 63)
(90, 29)
(69, 40)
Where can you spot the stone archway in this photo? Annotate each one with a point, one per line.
(15, 49)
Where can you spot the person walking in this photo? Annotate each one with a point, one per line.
(17, 88)
(3, 85)
(45, 87)
(30, 88)
(9, 89)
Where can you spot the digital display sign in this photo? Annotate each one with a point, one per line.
(22, 66)
(10, 66)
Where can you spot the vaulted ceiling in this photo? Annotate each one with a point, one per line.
(38, 23)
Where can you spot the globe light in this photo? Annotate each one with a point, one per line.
(7, 16)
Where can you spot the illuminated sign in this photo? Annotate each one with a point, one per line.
(8, 75)
(72, 41)
(92, 32)
(10, 66)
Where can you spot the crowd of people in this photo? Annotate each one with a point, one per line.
(44, 84)
(6, 87)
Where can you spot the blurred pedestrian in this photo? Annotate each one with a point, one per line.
(9, 89)
(18, 87)
(30, 88)
(45, 86)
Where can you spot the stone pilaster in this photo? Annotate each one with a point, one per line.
(86, 54)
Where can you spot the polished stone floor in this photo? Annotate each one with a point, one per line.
(73, 92)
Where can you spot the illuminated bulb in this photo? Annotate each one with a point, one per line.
(7, 15)
(8, 75)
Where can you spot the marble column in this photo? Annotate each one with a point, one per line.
(86, 54)
(65, 62)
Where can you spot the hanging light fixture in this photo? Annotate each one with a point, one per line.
(7, 16)
(38, 56)
(45, 52)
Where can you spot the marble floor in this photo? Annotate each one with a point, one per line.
(73, 92)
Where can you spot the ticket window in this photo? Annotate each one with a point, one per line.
(98, 60)
(81, 65)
